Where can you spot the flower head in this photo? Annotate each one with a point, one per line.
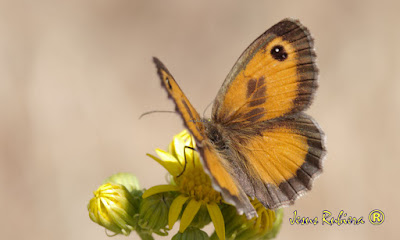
(191, 182)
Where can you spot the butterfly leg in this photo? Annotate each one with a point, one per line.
(184, 154)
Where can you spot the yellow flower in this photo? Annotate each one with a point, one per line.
(190, 180)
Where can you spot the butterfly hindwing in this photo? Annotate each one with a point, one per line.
(274, 77)
(283, 157)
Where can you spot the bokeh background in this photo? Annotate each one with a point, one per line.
(76, 75)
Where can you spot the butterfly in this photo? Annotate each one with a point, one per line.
(259, 143)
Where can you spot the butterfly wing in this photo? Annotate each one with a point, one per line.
(275, 151)
(225, 179)
(216, 165)
(275, 76)
(282, 158)
(183, 106)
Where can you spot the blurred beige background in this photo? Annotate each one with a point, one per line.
(76, 75)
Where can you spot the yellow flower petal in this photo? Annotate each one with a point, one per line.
(168, 161)
(159, 189)
(179, 148)
(166, 156)
(171, 148)
(190, 212)
(217, 219)
(175, 209)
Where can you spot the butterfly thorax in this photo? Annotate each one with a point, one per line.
(216, 134)
(224, 137)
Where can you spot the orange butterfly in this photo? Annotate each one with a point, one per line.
(259, 143)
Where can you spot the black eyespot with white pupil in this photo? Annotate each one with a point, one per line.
(279, 53)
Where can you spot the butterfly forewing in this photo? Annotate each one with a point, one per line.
(189, 114)
(225, 178)
(274, 77)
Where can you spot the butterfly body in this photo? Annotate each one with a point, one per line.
(258, 142)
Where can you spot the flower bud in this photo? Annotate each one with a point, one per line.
(202, 218)
(191, 233)
(276, 226)
(113, 208)
(238, 227)
(153, 213)
(127, 179)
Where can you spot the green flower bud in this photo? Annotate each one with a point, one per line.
(145, 235)
(191, 233)
(113, 208)
(202, 218)
(127, 179)
(238, 227)
(276, 226)
(153, 213)
(234, 223)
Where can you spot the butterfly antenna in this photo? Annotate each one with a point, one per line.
(184, 154)
(204, 112)
(156, 111)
